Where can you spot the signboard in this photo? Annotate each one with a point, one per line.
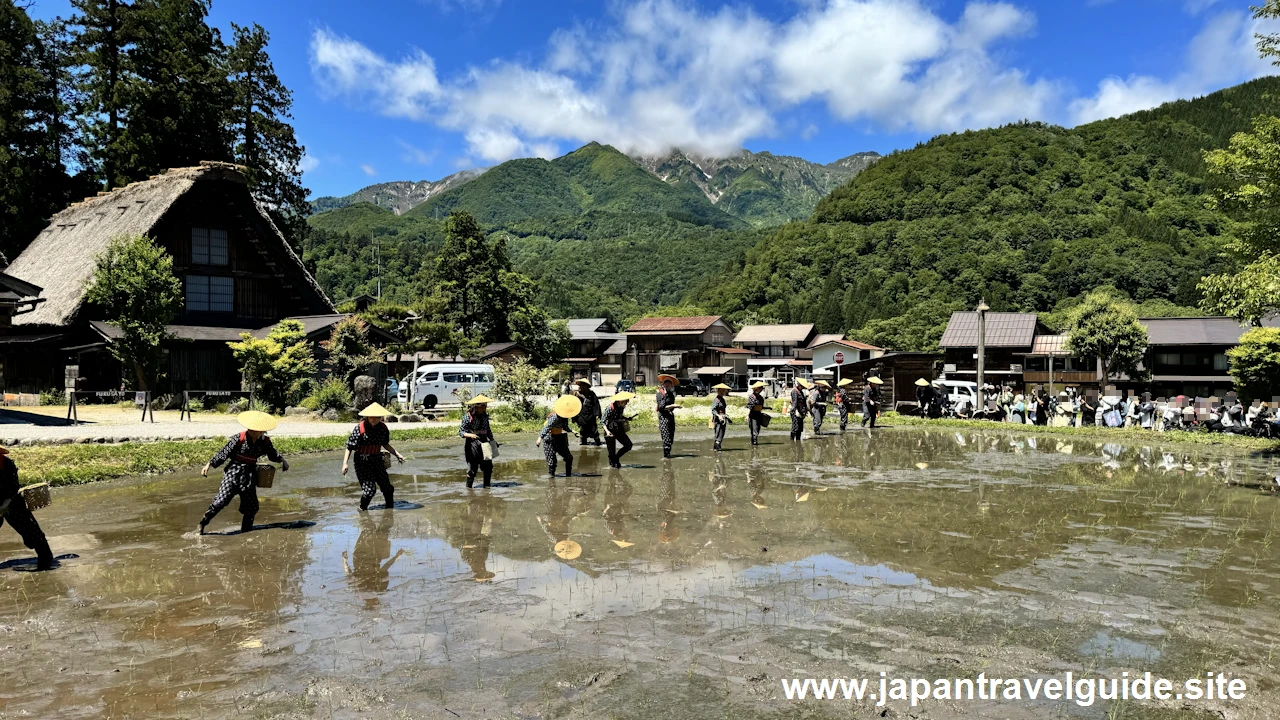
(949, 367)
(72, 372)
(838, 357)
(140, 399)
(1015, 368)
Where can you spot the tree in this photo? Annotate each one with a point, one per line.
(259, 114)
(546, 340)
(521, 383)
(33, 180)
(279, 368)
(1250, 167)
(349, 350)
(134, 284)
(917, 330)
(176, 91)
(1255, 364)
(1107, 328)
(102, 33)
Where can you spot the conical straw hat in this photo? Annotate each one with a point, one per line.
(568, 406)
(375, 410)
(254, 420)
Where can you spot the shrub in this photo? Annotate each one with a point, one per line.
(53, 397)
(333, 394)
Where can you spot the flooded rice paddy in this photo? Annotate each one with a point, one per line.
(701, 583)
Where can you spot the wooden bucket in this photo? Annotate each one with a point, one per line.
(36, 496)
(266, 476)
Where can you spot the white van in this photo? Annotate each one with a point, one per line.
(958, 390)
(438, 384)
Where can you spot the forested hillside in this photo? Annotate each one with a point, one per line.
(1027, 216)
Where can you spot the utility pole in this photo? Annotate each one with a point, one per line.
(982, 350)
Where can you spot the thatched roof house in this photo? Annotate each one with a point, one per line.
(239, 273)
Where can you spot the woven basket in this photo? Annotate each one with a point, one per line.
(266, 476)
(36, 496)
(386, 460)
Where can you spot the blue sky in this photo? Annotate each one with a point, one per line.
(419, 89)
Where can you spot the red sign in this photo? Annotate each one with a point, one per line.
(839, 358)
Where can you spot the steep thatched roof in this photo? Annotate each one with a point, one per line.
(62, 257)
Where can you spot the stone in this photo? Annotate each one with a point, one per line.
(84, 440)
(391, 418)
(411, 417)
(63, 441)
(329, 414)
(100, 440)
(28, 441)
(293, 411)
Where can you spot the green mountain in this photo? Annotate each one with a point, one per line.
(593, 178)
(1027, 216)
(762, 188)
(399, 196)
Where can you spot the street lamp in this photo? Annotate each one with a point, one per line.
(982, 350)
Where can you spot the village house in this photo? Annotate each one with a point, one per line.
(679, 346)
(1010, 337)
(831, 358)
(1188, 356)
(598, 351)
(238, 275)
(779, 351)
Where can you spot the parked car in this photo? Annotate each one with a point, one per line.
(625, 386)
(957, 390)
(439, 383)
(772, 387)
(692, 386)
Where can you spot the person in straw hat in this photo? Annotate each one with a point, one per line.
(720, 414)
(755, 411)
(616, 427)
(799, 407)
(554, 437)
(13, 508)
(665, 407)
(367, 440)
(241, 455)
(818, 404)
(924, 396)
(871, 400)
(588, 420)
(843, 400)
(474, 431)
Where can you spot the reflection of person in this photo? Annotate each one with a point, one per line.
(719, 480)
(477, 531)
(667, 530)
(367, 440)
(665, 408)
(241, 454)
(13, 508)
(373, 546)
(474, 431)
(616, 494)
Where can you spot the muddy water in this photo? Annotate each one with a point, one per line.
(702, 581)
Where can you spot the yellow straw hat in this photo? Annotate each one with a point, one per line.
(624, 395)
(823, 383)
(480, 400)
(568, 550)
(664, 377)
(567, 406)
(922, 382)
(875, 380)
(804, 383)
(845, 382)
(375, 410)
(758, 384)
(583, 381)
(721, 386)
(257, 421)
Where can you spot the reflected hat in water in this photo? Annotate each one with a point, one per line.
(721, 386)
(480, 400)
(257, 421)
(374, 410)
(922, 382)
(845, 383)
(622, 396)
(758, 384)
(567, 406)
(875, 380)
(568, 550)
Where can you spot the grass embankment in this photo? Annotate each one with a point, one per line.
(1127, 435)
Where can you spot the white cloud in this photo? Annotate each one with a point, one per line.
(308, 163)
(658, 74)
(472, 6)
(368, 170)
(1221, 54)
(414, 154)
